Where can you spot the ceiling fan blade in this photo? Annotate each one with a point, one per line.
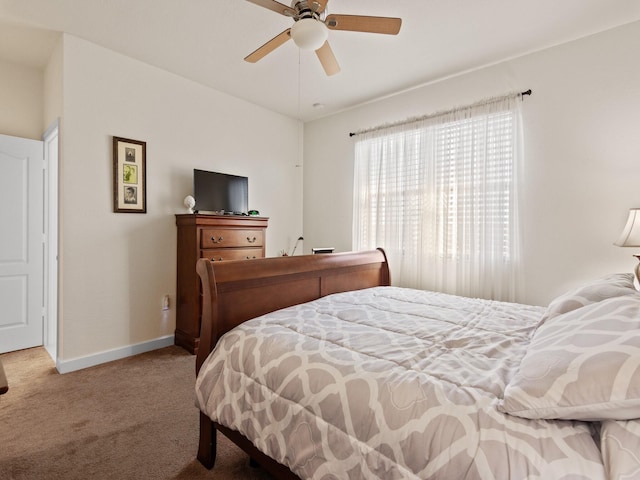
(328, 59)
(318, 5)
(360, 23)
(275, 6)
(269, 47)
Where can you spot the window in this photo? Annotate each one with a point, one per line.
(440, 195)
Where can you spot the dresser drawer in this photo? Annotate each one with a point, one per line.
(221, 254)
(223, 238)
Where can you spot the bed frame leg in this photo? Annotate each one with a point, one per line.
(207, 446)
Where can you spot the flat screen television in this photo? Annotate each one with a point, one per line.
(220, 193)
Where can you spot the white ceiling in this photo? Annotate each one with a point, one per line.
(206, 41)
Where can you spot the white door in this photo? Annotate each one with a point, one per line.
(21, 243)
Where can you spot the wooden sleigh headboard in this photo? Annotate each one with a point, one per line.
(236, 291)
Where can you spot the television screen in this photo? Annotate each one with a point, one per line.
(220, 192)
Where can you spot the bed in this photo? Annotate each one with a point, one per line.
(320, 369)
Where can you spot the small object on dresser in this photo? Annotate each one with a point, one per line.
(296, 246)
(189, 202)
(318, 250)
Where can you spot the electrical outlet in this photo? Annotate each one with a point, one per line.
(166, 303)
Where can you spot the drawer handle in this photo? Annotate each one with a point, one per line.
(219, 240)
(214, 260)
(251, 240)
(249, 258)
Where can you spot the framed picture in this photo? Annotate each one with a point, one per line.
(129, 176)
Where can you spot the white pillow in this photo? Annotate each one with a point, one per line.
(613, 285)
(582, 365)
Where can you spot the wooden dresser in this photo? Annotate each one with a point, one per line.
(219, 238)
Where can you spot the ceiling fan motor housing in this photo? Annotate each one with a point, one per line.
(306, 9)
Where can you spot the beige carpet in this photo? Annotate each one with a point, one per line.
(130, 419)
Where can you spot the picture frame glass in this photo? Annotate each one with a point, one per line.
(129, 172)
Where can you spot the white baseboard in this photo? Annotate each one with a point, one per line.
(66, 366)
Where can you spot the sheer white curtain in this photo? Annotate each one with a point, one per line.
(440, 195)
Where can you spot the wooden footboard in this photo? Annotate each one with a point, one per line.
(236, 291)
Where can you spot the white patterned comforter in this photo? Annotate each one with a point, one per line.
(390, 383)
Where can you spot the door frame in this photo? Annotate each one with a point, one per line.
(51, 147)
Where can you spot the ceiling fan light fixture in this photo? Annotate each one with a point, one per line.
(309, 33)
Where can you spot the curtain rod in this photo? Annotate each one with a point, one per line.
(353, 134)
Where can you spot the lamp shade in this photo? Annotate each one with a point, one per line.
(309, 34)
(630, 236)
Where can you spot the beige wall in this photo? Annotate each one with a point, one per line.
(53, 101)
(117, 267)
(582, 146)
(21, 100)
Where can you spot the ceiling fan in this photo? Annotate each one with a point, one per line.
(311, 29)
